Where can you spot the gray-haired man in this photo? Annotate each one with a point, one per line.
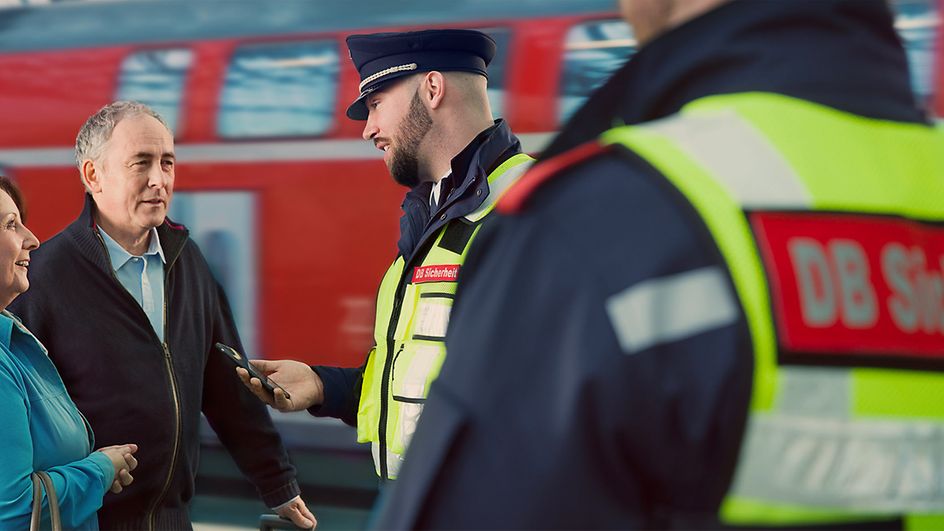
(129, 310)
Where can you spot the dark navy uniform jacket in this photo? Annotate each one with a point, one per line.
(538, 418)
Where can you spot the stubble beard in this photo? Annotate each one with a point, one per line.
(405, 164)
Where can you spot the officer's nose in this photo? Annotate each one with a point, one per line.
(370, 128)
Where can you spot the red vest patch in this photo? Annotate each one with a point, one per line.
(435, 273)
(849, 287)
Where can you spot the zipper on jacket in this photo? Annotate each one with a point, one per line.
(173, 459)
(382, 428)
(168, 362)
(171, 376)
(388, 366)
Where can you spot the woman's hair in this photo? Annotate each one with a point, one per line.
(10, 187)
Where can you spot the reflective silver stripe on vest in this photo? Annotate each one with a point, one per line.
(671, 308)
(497, 188)
(732, 150)
(809, 452)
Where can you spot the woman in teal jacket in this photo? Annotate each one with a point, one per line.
(43, 430)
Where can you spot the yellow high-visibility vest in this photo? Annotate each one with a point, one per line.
(832, 227)
(410, 329)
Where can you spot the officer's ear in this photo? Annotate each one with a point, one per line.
(433, 89)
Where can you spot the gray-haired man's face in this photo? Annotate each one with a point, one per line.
(134, 176)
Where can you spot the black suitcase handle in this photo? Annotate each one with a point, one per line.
(270, 522)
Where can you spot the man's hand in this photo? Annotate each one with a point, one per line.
(303, 384)
(296, 511)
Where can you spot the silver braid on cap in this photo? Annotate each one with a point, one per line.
(386, 71)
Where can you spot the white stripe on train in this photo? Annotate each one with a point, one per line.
(267, 151)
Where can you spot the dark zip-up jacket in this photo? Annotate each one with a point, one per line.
(418, 228)
(539, 419)
(135, 387)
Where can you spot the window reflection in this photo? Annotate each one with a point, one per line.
(496, 71)
(276, 90)
(222, 223)
(917, 22)
(156, 78)
(593, 51)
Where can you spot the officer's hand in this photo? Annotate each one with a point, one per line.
(303, 384)
(296, 511)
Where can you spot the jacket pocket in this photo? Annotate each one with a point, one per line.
(431, 319)
(415, 369)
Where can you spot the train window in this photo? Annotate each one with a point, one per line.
(156, 78)
(496, 71)
(279, 90)
(592, 53)
(917, 23)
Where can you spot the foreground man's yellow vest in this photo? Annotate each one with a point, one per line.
(410, 329)
(831, 227)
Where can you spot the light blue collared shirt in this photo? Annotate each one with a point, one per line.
(142, 276)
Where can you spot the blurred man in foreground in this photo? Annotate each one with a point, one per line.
(730, 312)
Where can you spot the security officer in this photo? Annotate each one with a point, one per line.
(423, 95)
(730, 311)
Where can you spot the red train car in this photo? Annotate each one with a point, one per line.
(295, 212)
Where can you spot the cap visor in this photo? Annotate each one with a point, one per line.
(358, 109)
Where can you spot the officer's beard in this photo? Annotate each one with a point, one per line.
(405, 164)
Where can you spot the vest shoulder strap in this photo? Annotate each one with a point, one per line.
(517, 196)
(500, 180)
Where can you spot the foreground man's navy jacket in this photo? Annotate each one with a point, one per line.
(539, 419)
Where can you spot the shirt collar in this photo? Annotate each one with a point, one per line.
(437, 186)
(119, 256)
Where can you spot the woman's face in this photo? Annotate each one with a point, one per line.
(16, 242)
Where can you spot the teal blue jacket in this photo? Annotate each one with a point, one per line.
(43, 430)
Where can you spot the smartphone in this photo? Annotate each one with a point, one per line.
(242, 361)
